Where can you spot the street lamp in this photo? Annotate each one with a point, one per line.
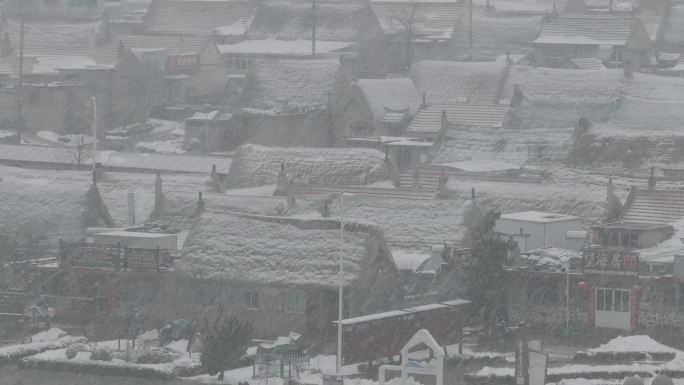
(340, 301)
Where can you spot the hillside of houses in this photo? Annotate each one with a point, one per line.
(319, 192)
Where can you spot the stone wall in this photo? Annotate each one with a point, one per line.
(547, 316)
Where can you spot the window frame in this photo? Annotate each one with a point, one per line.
(299, 305)
(251, 300)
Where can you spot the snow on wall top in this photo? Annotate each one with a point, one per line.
(257, 165)
(292, 20)
(299, 84)
(396, 94)
(261, 250)
(445, 82)
(28, 155)
(281, 47)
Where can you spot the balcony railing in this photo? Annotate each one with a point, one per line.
(114, 256)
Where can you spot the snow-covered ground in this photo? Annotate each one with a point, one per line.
(48, 340)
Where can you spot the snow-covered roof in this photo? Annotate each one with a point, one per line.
(427, 20)
(449, 82)
(495, 35)
(393, 94)
(172, 45)
(199, 18)
(662, 207)
(409, 260)
(276, 251)
(299, 84)
(551, 258)
(258, 165)
(59, 213)
(539, 217)
(611, 30)
(291, 20)
(47, 34)
(428, 120)
(281, 47)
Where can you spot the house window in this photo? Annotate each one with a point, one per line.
(252, 300)
(296, 302)
(240, 63)
(616, 300)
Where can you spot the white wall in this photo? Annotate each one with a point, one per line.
(541, 234)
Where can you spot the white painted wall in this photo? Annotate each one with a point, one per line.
(541, 234)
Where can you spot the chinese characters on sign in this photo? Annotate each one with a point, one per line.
(614, 262)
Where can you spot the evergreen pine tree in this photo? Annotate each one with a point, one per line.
(224, 344)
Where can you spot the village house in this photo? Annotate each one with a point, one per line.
(288, 280)
(376, 107)
(211, 132)
(414, 31)
(288, 101)
(614, 39)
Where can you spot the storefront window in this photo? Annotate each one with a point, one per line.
(612, 300)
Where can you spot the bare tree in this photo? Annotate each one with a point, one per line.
(406, 23)
(80, 150)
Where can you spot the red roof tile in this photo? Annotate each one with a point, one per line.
(654, 206)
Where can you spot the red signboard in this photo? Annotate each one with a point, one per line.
(613, 262)
(383, 335)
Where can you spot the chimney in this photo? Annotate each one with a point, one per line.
(131, 208)
(200, 202)
(445, 121)
(554, 12)
(652, 179)
(472, 193)
(422, 106)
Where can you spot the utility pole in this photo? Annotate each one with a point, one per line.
(470, 29)
(340, 297)
(20, 79)
(313, 28)
(94, 99)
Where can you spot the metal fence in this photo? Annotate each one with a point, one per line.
(286, 365)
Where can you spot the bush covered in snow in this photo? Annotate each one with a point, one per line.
(156, 355)
(101, 353)
(14, 353)
(74, 349)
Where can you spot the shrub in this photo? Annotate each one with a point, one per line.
(155, 355)
(74, 349)
(101, 354)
